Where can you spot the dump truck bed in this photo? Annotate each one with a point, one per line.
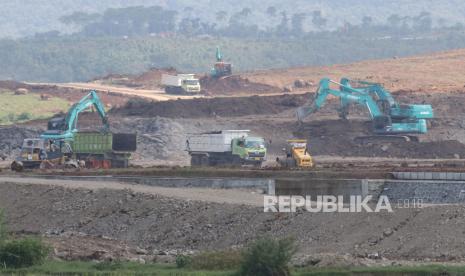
(214, 141)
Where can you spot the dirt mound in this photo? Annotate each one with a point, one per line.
(336, 137)
(152, 78)
(13, 85)
(233, 85)
(147, 80)
(201, 108)
(159, 140)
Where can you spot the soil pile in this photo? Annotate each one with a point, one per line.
(337, 137)
(199, 108)
(147, 80)
(233, 85)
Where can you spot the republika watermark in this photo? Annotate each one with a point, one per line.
(326, 204)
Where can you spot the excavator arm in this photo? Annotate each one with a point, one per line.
(411, 122)
(64, 128)
(346, 94)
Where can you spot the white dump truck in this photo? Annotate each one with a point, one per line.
(180, 84)
(225, 147)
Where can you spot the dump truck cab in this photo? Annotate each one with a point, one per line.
(181, 84)
(297, 155)
(250, 149)
(191, 85)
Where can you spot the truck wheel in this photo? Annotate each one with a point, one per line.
(17, 166)
(195, 160)
(236, 161)
(291, 163)
(204, 162)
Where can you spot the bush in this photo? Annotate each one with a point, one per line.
(183, 261)
(268, 257)
(108, 265)
(23, 253)
(216, 260)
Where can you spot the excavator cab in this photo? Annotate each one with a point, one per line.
(57, 123)
(221, 68)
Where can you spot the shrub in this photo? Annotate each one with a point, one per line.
(23, 253)
(183, 261)
(108, 265)
(216, 260)
(24, 116)
(268, 257)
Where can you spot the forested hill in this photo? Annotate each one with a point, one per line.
(27, 17)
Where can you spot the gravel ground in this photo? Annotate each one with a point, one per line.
(162, 221)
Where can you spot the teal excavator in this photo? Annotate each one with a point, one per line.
(64, 128)
(221, 68)
(54, 145)
(389, 118)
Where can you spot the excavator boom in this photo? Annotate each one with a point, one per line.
(64, 128)
(387, 115)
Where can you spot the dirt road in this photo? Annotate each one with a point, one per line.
(247, 197)
(158, 95)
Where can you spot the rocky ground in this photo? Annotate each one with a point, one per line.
(94, 223)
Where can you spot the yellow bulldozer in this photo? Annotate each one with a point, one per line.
(297, 155)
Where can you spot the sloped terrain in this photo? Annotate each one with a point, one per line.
(162, 224)
(437, 72)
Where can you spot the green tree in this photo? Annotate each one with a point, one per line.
(268, 256)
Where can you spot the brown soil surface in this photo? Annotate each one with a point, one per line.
(429, 73)
(147, 80)
(234, 85)
(211, 107)
(70, 94)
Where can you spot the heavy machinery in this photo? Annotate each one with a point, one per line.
(63, 145)
(221, 68)
(226, 147)
(297, 155)
(390, 119)
(181, 84)
(36, 153)
(64, 128)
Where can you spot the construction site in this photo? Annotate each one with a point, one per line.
(147, 167)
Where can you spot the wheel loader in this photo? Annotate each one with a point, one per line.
(296, 155)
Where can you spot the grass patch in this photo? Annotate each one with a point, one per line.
(215, 260)
(120, 268)
(22, 108)
(424, 270)
(127, 268)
